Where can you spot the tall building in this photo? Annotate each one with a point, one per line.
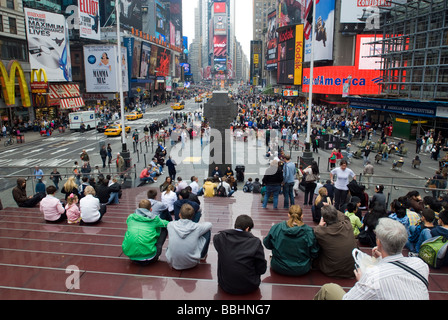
(261, 12)
(411, 49)
(218, 57)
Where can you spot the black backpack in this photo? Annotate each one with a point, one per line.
(221, 191)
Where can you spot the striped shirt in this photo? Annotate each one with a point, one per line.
(387, 281)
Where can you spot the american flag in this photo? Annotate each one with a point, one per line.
(308, 18)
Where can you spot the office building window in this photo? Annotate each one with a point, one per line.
(12, 25)
(10, 4)
(1, 23)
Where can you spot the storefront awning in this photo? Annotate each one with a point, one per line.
(65, 95)
(71, 103)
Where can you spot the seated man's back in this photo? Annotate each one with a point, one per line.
(241, 259)
(189, 241)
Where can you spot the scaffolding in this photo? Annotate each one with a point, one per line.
(414, 50)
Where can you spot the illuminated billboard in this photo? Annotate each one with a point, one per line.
(290, 55)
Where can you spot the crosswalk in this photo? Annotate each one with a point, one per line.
(31, 162)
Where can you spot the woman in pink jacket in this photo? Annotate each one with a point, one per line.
(52, 207)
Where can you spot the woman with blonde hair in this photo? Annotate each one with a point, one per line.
(91, 210)
(322, 199)
(70, 187)
(293, 244)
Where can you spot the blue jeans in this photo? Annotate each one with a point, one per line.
(147, 179)
(113, 198)
(288, 193)
(207, 237)
(275, 190)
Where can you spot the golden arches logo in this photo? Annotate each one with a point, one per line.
(38, 74)
(8, 82)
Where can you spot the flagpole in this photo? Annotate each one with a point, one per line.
(310, 93)
(120, 76)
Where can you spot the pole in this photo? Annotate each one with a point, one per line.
(119, 76)
(310, 93)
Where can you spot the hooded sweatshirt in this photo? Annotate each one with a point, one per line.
(19, 193)
(142, 234)
(186, 243)
(293, 248)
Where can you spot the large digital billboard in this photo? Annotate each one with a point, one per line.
(289, 12)
(163, 62)
(220, 46)
(271, 42)
(290, 55)
(131, 14)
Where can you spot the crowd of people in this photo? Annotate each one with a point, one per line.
(344, 220)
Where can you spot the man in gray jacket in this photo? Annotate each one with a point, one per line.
(188, 241)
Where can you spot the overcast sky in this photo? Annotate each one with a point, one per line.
(244, 18)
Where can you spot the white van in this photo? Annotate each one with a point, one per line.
(88, 118)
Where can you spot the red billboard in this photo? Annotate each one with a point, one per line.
(330, 80)
(219, 7)
(220, 46)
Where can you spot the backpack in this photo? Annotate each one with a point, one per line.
(433, 251)
(248, 187)
(221, 191)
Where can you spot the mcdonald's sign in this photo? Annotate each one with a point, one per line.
(37, 85)
(8, 82)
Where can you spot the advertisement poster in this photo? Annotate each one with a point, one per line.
(289, 12)
(131, 14)
(271, 42)
(324, 32)
(101, 62)
(136, 59)
(220, 46)
(89, 19)
(145, 60)
(163, 62)
(48, 44)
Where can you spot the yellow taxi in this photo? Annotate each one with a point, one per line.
(134, 115)
(178, 106)
(115, 130)
(198, 99)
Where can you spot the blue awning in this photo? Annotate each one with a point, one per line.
(417, 108)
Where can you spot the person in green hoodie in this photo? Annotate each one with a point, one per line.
(293, 245)
(145, 235)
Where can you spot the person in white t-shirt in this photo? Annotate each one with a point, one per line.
(343, 175)
(194, 185)
(91, 209)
